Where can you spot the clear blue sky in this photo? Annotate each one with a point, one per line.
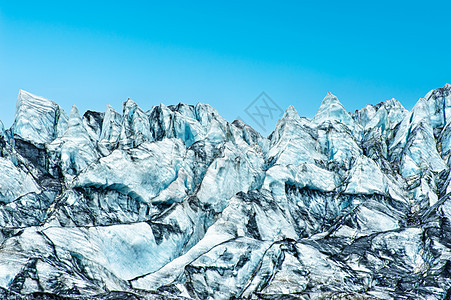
(222, 53)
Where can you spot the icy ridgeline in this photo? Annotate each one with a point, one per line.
(177, 202)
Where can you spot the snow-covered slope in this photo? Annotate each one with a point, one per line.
(177, 202)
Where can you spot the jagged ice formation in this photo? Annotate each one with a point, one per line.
(176, 202)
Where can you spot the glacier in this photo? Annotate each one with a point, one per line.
(178, 203)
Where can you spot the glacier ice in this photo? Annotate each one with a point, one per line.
(110, 131)
(332, 110)
(135, 127)
(37, 119)
(176, 202)
(366, 178)
(74, 151)
(141, 172)
(15, 183)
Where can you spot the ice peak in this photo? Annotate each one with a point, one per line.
(75, 124)
(393, 102)
(419, 112)
(332, 109)
(135, 125)
(239, 123)
(290, 113)
(391, 105)
(74, 112)
(28, 95)
(23, 93)
(37, 119)
(129, 103)
(111, 127)
(205, 113)
(331, 102)
(130, 108)
(330, 97)
(110, 113)
(421, 105)
(206, 107)
(163, 108)
(445, 91)
(27, 98)
(74, 116)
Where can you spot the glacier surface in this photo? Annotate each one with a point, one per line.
(176, 202)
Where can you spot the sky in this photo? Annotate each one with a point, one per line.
(224, 53)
